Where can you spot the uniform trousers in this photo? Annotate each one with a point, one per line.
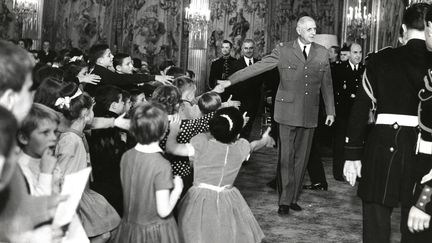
(377, 225)
(338, 147)
(294, 148)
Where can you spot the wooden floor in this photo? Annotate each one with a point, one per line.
(327, 216)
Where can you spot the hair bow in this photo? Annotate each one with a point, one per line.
(63, 102)
(230, 122)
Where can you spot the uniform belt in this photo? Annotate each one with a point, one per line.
(401, 120)
(214, 188)
(423, 147)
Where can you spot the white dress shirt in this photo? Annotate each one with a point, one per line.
(308, 46)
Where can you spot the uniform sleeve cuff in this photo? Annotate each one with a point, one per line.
(353, 152)
(423, 202)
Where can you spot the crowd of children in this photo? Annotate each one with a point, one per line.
(163, 159)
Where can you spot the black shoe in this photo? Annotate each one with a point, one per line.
(295, 207)
(283, 209)
(272, 184)
(317, 187)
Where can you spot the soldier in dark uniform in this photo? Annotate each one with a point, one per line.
(346, 80)
(385, 158)
(419, 217)
(222, 67)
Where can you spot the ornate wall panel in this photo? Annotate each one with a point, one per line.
(9, 28)
(390, 20)
(150, 30)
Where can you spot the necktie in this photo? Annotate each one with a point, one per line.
(355, 68)
(250, 62)
(304, 52)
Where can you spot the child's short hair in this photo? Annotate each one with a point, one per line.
(226, 124)
(175, 71)
(134, 94)
(38, 113)
(209, 102)
(96, 52)
(183, 83)
(8, 131)
(15, 64)
(118, 59)
(126, 95)
(48, 92)
(105, 95)
(78, 100)
(149, 123)
(168, 96)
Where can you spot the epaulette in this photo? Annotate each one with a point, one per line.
(385, 48)
(281, 44)
(215, 59)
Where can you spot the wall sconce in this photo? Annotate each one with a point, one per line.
(197, 14)
(22, 8)
(358, 22)
(27, 13)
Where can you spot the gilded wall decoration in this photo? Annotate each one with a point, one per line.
(7, 21)
(150, 30)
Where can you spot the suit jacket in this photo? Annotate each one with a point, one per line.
(345, 83)
(298, 95)
(248, 92)
(221, 68)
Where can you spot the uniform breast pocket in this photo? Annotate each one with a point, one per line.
(285, 96)
(287, 71)
(323, 67)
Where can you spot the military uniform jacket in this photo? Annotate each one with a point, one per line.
(220, 69)
(388, 152)
(423, 166)
(298, 95)
(345, 83)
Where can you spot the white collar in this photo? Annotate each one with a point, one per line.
(308, 46)
(352, 65)
(148, 148)
(247, 59)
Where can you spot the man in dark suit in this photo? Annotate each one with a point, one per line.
(346, 80)
(384, 157)
(248, 93)
(304, 71)
(222, 67)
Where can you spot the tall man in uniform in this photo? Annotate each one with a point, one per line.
(419, 217)
(346, 80)
(222, 67)
(304, 70)
(385, 159)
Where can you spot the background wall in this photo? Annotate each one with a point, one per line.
(154, 31)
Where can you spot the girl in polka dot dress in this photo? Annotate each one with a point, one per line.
(169, 97)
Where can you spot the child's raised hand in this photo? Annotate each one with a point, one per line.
(48, 161)
(175, 127)
(178, 183)
(122, 122)
(245, 118)
(268, 139)
(230, 102)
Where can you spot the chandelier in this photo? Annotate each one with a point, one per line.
(358, 22)
(198, 15)
(24, 8)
